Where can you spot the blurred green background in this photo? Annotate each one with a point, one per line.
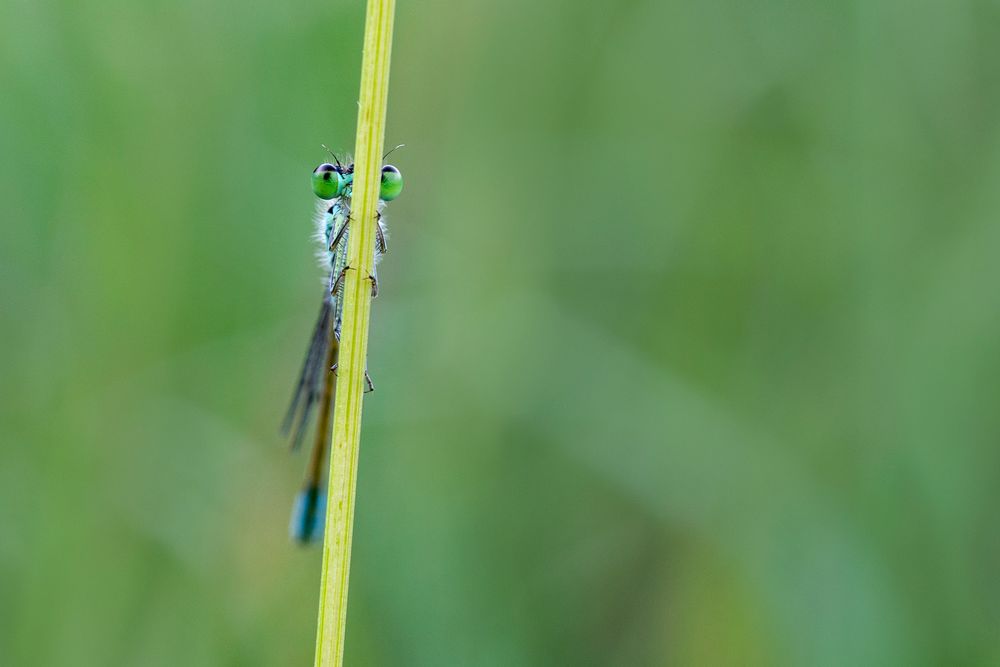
(688, 348)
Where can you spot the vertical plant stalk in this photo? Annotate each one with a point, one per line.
(354, 334)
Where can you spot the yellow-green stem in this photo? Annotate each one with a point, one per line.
(354, 334)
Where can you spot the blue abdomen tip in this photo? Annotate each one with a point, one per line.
(308, 515)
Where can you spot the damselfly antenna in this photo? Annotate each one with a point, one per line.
(390, 152)
(334, 155)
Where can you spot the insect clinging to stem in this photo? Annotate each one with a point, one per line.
(333, 187)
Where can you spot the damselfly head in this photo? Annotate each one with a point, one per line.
(330, 181)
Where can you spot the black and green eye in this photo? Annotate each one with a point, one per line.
(328, 183)
(392, 183)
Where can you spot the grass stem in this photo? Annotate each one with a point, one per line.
(369, 145)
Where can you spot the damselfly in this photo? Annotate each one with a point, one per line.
(333, 186)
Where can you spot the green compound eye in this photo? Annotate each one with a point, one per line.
(328, 183)
(392, 183)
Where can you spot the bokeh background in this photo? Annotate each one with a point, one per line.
(687, 348)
